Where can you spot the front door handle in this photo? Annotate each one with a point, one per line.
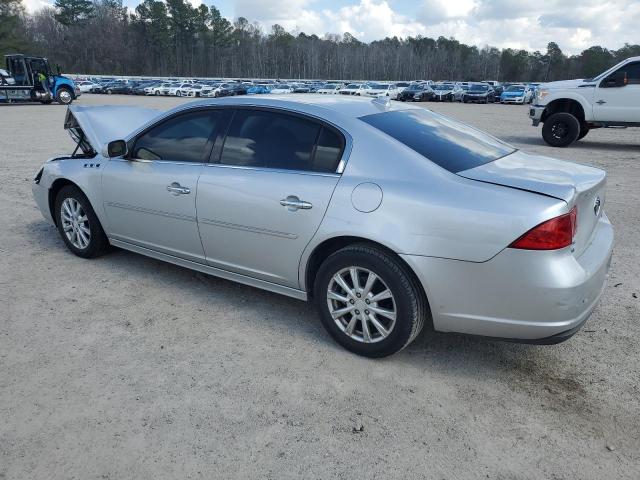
(600, 102)
(177, 189)
(293, 203)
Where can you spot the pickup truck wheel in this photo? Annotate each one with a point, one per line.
(583, 131)
(561, 129)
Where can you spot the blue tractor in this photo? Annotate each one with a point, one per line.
(31, 79)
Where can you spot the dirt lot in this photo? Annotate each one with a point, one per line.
(128, 368)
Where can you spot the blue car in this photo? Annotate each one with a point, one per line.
(258, 89)
(516, 94)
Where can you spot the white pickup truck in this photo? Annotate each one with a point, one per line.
(570, 108)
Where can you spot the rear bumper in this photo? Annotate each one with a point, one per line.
(531, 296)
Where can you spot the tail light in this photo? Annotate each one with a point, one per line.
(550, 235)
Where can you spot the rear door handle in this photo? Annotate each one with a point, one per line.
(177, 189)
(293, 203)
(600, 102)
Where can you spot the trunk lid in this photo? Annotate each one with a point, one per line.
(576, 184)
(93, 127)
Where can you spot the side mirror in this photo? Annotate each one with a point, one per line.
(117, 148)
(616, 79)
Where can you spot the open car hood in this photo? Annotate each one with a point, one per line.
(93, 127)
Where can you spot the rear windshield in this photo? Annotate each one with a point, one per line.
(446, 142)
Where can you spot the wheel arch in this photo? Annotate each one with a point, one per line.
(331, 245)
(567, 105)
(55, 188)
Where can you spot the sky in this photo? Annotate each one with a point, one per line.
(528, 24)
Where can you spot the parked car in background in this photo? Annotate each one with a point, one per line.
(357, 89)
(117, 87)
(330, 88)
(156, 88)
(416, 92)
(461, 222)
(517, 93)
(282, 88)
(459, 91)
(444, 92)
(390, 90)
(497, 90)
(85, 86)
(479, 93)
(258, 89)
(301, 88)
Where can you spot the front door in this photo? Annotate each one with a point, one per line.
(263, 200)
(150, 197)
(619, 104)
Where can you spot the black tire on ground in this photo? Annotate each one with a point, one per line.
(561, 129)
(584, 129)
(411, 305)
(98, 242)
(157, 92)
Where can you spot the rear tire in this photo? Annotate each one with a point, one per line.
(394, 292)
(584, 129)
(561, 129)
(79, 228)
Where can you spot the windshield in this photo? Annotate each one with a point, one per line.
(514, 88)
(379, 86)
(452, 145)
(353, 85)
(443, 86)
(478, 88)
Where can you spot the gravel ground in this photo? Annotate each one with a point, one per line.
(128, 368)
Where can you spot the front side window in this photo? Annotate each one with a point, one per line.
(266, 139)
(633, 73)
(446, 142)
(182, 138)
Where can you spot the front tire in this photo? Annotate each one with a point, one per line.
(561, 129)
(369, 301)
(64, 96)
(78, 224)
(584, 129)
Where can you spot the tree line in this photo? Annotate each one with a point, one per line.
(173, 38)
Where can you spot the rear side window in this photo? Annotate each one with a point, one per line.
(182, 138)
(258, 138)
(447, 143)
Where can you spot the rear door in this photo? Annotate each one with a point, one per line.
(150, 198)
(266, 192)
(619, 104)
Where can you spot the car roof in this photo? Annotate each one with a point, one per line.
(347, 106)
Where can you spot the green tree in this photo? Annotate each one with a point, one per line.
(73, 12)
(11, 31)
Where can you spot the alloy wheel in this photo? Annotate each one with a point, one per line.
(361, 304)
(75, 223)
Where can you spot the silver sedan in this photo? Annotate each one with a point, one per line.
(386, 215)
